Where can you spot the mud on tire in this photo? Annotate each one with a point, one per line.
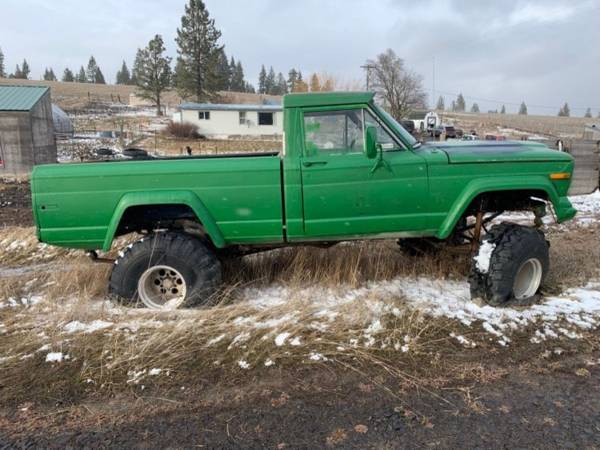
(194, 263)
(518, 265)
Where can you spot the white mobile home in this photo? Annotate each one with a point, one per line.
(221, 121)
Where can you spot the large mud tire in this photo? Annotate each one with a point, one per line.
(518, 266)
(195, 268)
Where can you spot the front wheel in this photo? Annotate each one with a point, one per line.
(511, 265)
(166, 271)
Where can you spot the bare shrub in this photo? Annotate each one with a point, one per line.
(182, 130)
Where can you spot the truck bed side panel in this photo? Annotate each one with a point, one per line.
(76, 202)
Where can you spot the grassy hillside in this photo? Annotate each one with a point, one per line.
(70, 96)
(566, 127)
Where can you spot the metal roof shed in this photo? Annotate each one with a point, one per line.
(26, 129)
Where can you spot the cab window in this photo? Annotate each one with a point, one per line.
(334, 132)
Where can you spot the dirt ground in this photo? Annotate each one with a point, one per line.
(522, 404)
(15, 203)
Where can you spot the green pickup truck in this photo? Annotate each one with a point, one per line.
(347, 171)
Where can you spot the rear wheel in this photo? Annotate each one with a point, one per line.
(511, 265)
(166, 271)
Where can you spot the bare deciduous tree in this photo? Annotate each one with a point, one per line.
(400, 89)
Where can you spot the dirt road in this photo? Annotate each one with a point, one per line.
(328, 407)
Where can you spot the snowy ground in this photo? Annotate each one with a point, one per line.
(388, 314)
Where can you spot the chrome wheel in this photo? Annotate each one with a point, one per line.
(528, 279)
(162, 287)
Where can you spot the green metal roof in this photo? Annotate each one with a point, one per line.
(300, 100)
(20, 98)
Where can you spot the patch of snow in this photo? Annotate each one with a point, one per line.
(243, 364)
(76, 326)
(56, 357)
(135, 376)
(280, 338)
(269, 362)
(154, 372)
(215, 340)
(313, 356)
(482, 259)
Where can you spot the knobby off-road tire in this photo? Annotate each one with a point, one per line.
(517, 268)
(166, 265)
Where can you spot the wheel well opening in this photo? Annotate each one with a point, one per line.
(147, 218)
(509, 200)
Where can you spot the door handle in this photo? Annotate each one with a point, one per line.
(313, 163)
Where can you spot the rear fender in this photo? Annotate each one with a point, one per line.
(168, 198)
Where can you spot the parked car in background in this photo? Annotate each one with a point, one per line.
(450, 132)
(408, 125)
(494, 137)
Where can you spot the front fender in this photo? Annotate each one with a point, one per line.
(187, 198)
(562, 206)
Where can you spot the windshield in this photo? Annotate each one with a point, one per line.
(404, 135)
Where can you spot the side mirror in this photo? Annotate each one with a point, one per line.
(371, 142)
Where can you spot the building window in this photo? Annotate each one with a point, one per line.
(204, 115)
(265, 118)
(243, 118)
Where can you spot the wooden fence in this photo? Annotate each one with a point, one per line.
(587, 165)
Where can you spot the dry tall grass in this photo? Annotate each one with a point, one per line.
(363, 331)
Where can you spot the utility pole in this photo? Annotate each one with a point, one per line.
(433, 104)
(367, 68)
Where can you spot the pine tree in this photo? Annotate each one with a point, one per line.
(123, 75)
(440, 104)
(460, 103)
(565, 111)
(2, 68)
(81, 76)
(475, 108)
(523, 109)
(315, 83)
(99, 78)
(25, 71)
(453, 106)
(503, 110)
(282, 84)
(270, 82)
(198, 49)
(68, 76)
(222, 76)
(92, 70)
(262, 80)
(153, 72)
(588, 113)
(49, 75)
(249, 88)
(292, 79)
(238, 84)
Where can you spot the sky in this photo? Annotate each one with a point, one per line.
(495, 52)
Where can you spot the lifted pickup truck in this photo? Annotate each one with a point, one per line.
(347, 171)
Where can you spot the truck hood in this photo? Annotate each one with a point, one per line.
(464, 152)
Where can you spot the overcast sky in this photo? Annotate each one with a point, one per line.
(542, 52)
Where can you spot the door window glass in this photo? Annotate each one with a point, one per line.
(383, 136)
(334, 132)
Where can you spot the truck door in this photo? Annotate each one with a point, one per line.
(346, 194)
